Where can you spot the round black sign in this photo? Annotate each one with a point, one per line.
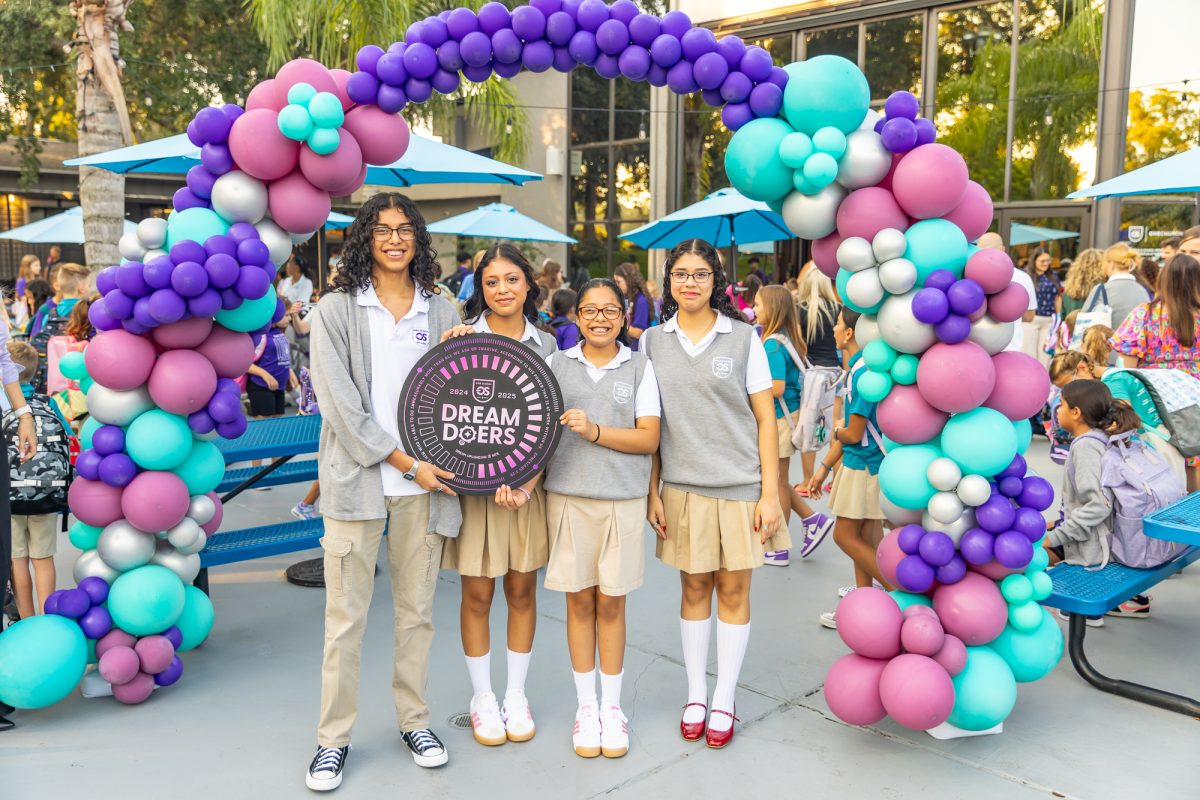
(484, 407)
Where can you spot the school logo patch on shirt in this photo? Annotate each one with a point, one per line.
(622, 392)
(722, 367)
(420, 336)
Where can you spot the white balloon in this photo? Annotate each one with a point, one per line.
(152, 232)
(901, 329)
(866, 161)
(812, 216)
(301, 238)
(277, 240)
(184, 534)
(945, 507)
(943, 474)
(864, 289)
(855, 254)
(954, 529)
(123, 547)
(868, 123)
(153, 254)
(113, 407)
(889, 243)
(186, 566)
(130, 247)
(866, 330)
(896, 515)
(196, 546)
(202, 509)
(992, 336)
(239, 198)
(90, 564)
(897, 275)
(973, 490)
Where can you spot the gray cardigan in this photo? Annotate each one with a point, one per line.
(1087, 522)
(352, 444)
(1124, 295)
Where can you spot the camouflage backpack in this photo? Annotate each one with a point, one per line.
(39, 485)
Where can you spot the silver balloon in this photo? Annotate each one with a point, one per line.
(202, 509)
(277, 240)
(897, 275)
(301, 238)
(992, 336)
(187, 567)
(943, 474)
(863, 289)
(89, 564)
(812, 216)
(196, 546)
(954, 529)
(945, 507)
(899, 516)
(866, 161)
(153, 254)
(973, 490)
(152, 232)
(184, 535)
(118, 408)
(854, 254)
(130, 247)
(239, 198)
(866, 330)
(900, 328)
(872, 117)
(889, 243)
(205, 437)
(123, 547)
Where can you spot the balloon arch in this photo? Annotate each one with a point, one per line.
(891, 213)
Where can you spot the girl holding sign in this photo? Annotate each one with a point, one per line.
(718, 504)
(505, 535)
(596, 499)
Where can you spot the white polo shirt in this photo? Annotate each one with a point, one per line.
(1018, 340)
(646, 401)
(530, 334)
(396, 346)
(758, 369)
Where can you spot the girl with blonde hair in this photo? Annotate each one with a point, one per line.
(818, 310)
(1121, 292)
(1085, 274)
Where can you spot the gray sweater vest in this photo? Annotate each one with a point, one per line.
(580, 468)
(709, 433)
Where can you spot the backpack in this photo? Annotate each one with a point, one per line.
(817, 391)
(1140, 482)
(53, 326)
(1176, 396)
(39, 485)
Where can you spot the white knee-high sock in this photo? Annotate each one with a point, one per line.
(610, 689)
(585, 687)
(518, 668)
(731, 649)
(480, 670)
(695, 634)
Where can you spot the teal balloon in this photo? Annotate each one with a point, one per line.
(1030, 654)
(935, 244)
(802, 184)
(902, 476)
(830, 140)
(146, 600)
(84, 536)
(90, 426)
(301, 93)
(843, 278)
(752, 159)
(981, 441)
(1025, 616)
(879, 355)
(250, 315)
(820, 169)
(158, 440)
(1039, 562)
(1043, 586)
(295, 123)
(795, 149)
(904, 371)
(42, 659)
(826, 91)
(874, 386)
(86, 384)
(324, 141)
(71, 365)
(326, 110)
(776, 205)
(194, 225)
(91, 651)
(906, 599)
(1017, 589)
(196, 620)
(1024, 434)
(984, 692)
(203, 469)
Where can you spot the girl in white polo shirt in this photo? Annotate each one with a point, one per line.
(505, 535)
(718, 461)
(596, 500)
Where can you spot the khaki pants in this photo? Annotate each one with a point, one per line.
(351, 549)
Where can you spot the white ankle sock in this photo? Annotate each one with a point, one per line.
(695, 634)
(480, 670)
(731, 649)
(610, 689)
(518, 668)
(585, 687)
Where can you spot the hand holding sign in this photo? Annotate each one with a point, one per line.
(577, 420)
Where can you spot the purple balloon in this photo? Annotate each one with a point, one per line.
(201, 422)
(106, 280)
(583, 48)
(591, 15)
(976, 546)
(528, 23)
(507, 70)
(930, 306)
(698, 42)
(735, 115)
(199, 179)
(736, 88)
(732, 49)
(51, 604)
(547, 7)
(414, 33)
(224, 407)
(183, 199)
(234, 429)
(712, 97)
(953, 329)
(644, 29)
(624, 10)
(449, 57)
(222, 270)
(1036, 493)
(711, 70)
(1010, 487)
(232, 111)
(171, 674)
(909, 538)
(656, 76)
(73, 603)
(391, 99)
(757, 64)
(506, 47)
(462, 21)
(612, 37)
(914, 575)
(255, 252)
(996, 515)
(936, 548)
(445, 82)
(166, 306)
(476, 49)
(396, 48)
(100, 317)
(228, 385)
(420, 60)
(230, 299)
(216, 158)
(141, 312)
(118, 304)
(766, 100)
(481, 74)
(174, 636)
(87, 464)
(96, 588)
(280, 310)
(434, 31)
(1030, 523)
(493, 17)
(136, 328)
(926, 132)
(666, 51)
(901, 104)
(1013, 550)
(189, 279)
(362, 88)
(899, 135)
(193, 134)
(635, 63)
(676, 23)
(240, 232)
(965, 296)
(253, 282)
(187, 250)
(560, 27)
(391, 69)
(108, 439)
(681, 80)
(1015, 469)
(779, 77)
(952, 571)
(940, 279)
(118, 470)
(157, 273)
(219, 244)
(205, 304)
(367, 57)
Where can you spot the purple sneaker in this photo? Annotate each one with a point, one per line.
(776, 558)
(816, 528)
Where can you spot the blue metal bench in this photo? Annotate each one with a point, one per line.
(229, 547)
(289, 472)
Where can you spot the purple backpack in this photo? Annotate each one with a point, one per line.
(1140, 482)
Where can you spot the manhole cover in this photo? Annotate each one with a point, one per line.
(460, 720)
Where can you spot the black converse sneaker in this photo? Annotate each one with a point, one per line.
(325, 771)
(427, 749)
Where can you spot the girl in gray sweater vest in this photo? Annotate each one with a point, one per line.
(718, 461)
(596, 501)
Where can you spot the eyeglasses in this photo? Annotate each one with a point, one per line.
(698, 277)
(591, 312)
(381, 233)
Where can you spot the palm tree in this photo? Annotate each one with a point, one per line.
(332, 31)
(102, 119)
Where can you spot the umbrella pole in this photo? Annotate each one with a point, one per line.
(322, 258)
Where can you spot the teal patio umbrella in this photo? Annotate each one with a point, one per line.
(64, 228)
(1177, 174)
(499, 221)
(1020, 233)
(722, 219)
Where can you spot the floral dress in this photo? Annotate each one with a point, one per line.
(1146, 333)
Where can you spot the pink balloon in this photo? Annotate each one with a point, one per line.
(296, 205)
(183, 381)
(916, 691)
(952, 656)
(1009, 304)
(94, 502)
(350, 186)
(154, 653)
(972, 609)
(869, 622)
(259, 148)
(888, 556)
(990, 268)
(917, 610)
(994, 570)
(824, 254)
(1022, 386)
(182, 335)
(922, 634)
(886, 183)
(955, 377)
(906, 417)
(335, 170)
(114, 638)
(231, 353)
(340, 76)
(119, 665)
(303, 70)
(264, 96)
(119, 360)
(383, 137)
(930, 181)
(852, 689)
(214, 524)
(155, 501)
(865, 212)
(973, 214)
(136, 691)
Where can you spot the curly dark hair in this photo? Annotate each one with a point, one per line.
(718, 301)
(358, 259)
(474, 307)
(611, 285)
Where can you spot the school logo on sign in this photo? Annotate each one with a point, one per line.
(622, 392)
(722, 367)
(1137, 233)
(483, 390)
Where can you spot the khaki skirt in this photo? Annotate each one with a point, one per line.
(596, 543)
(705, 534)
(855, 495)
(493, 541)
(786, 448)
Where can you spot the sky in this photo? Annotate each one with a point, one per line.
(1164, 49)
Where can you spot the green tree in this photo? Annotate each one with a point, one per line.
(1161, 124)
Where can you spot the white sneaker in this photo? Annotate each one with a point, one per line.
(829, 620)
(614, 733)
(486, 721)
(586, 736)
(518, 719)
(845, 590)
(325, 770)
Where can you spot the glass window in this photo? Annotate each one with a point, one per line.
(627, 251)
(590, 101)
(705, 139)
(631, 181)
(631, 102)
(1144, 225)
(780, 46)
(589, 183)
(893, 56)
(592, 250)
(834, 41)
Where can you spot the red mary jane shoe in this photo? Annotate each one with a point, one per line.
(692, 731)
(718, 739)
